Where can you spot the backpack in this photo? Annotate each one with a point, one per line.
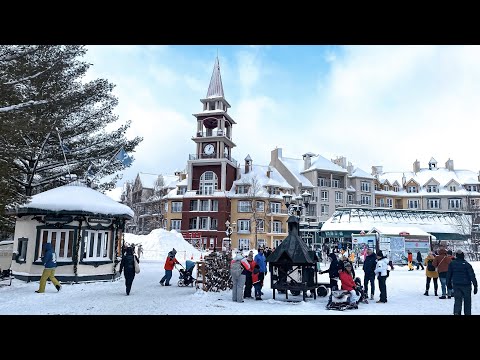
(236, 269)
(430, 266)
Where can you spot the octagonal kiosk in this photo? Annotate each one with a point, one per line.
(84, 226)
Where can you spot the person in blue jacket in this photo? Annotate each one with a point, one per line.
(369, 265)
(460, 277)
(49, 260)
(261, 261)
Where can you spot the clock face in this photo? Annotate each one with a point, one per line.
(209, 149)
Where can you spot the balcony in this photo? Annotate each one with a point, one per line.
(278, 212)
(212, 156)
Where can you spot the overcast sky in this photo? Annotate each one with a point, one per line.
(375, 105)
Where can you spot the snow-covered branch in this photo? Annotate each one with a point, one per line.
(22, 105)
(26, 78)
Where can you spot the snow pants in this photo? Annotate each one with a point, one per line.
(237, 289)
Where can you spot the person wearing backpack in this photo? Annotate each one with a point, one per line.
(431, 273)
(461, 277)
(128, 266)
(237, 267)
(441, 263)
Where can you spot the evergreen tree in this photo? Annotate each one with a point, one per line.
(43, 97)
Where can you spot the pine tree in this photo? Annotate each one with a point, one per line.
(43, 94)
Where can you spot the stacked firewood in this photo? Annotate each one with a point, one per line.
(217, 272)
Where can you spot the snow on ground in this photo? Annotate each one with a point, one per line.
(404, 288)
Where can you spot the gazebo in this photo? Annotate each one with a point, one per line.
(293, 267)
(85, 229)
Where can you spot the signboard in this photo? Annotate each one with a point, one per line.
(397, 249)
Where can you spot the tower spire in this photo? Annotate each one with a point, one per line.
(215, 88)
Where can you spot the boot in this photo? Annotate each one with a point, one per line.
(436, 293)
(426, 293)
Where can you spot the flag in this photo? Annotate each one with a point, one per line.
(65, 148)
(123, 157)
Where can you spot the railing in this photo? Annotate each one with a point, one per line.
(212, 156)
(279, 212)
(213, 133)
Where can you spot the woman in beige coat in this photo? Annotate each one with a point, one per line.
(431, 273)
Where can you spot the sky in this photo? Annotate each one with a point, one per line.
(148, 297)
(376, 105)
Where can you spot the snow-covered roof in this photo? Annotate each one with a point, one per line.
(321, 163)
(357, 219)
(295, 166)
(259, 173)
(75, 197)
(170, 181)
(361, 174)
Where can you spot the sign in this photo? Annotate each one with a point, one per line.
(99, 221)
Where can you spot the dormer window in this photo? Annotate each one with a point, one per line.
(242, 189)
(412, 189)
(395, 188)
(432, 188)
(453, 188)
(386, 188)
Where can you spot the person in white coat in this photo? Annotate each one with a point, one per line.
(238, 264)
(381, 270)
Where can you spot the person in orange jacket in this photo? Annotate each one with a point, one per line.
(169, 265)
(410, 260)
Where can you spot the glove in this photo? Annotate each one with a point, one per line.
(475, 289)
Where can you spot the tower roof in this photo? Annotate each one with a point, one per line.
(215, 88)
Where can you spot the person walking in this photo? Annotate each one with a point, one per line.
(369, 265)
(410, 260)
(49, 260)
(419, 260)
(381, 270)
(128, 266)
(169, 265)
(237, 267)
(431, 273)
(460, 277)
(441, 263)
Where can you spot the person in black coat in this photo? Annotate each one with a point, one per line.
(369, 270)
(419, 260)
(460, 277)
(128, 266)
(332, 270)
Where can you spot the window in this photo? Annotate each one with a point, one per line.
(181, 190)
(322, 181)
(366, 200)
(471, 187)
(214, 205)
(22, 249)
(212, 105)
(365, 186)
(276, 226)
(214, 224)
(432, 188)
(243, 226)
(324, 195)
(323, 209)
(433, 203)
(243, 244)
(453, 188)
(95, 244)
(193, 205)
(386, 187)
(350, 198)
(395, 188)
(166, 207)
(376, 187)
(454, 203)
(61, 240)
(338, 197)
(275, 207)
(381, 202)
(242, 189)
(260, 225)
(244, 206)
(204, 205)
(208, 183)
(261, 243)
(192, 224)
(176, 207)
(412, 189)
(260, 206)
(335, 183)
(203, 223)
(175, 224)
(413, 204)
(277, 242)
(390, 202)
(273, 190)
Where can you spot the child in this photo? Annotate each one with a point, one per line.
(257, 283)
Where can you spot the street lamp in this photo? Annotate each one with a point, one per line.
(295, 206)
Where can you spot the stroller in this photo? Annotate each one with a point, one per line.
(186, 277)
(340, 299)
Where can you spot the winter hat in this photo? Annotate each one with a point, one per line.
(238, 256)
(459, 254)
(174, 251)
(380, 253)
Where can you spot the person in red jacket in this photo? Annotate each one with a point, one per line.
(348, 283)
(169, 265)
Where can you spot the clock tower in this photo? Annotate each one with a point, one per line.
(211, 169)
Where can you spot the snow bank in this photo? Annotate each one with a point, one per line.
(159, 242)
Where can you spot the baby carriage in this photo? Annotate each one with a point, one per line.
(186, 277)
(340, 299)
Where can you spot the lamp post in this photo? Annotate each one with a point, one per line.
(297, 204)
(229, 232)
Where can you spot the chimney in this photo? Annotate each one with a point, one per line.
(307, 160)
(350, 168)
(449, 165)
(276, 154)
(248, 164)
(340, 161)
(269, 171)
(416, 166)
(404, 179)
